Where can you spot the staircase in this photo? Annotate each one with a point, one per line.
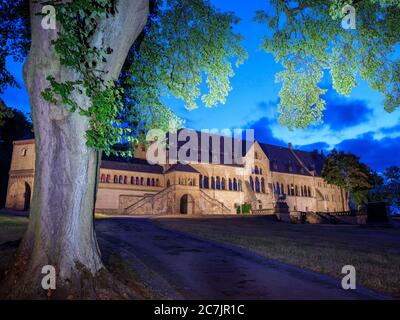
(149, 198)
(328, 218)
(214, 202)
(140, 207)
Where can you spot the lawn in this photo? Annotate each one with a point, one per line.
(375, 253)
(12, 229)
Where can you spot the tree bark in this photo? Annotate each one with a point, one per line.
(61, 229)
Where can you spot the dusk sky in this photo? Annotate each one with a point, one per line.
(357, 123)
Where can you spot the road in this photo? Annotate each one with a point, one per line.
(185, 267)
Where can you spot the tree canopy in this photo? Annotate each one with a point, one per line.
(184, 45)
(306, 37)
(388, 189)
(14, 38)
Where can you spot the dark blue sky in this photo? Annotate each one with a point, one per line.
(357, 123)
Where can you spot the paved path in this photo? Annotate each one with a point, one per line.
(201, 269)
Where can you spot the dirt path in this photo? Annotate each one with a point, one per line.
(190, 268)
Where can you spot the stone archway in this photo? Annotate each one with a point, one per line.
(186, 204)
(27, 202)
(19, 197)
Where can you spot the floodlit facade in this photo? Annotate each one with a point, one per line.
(266, 173)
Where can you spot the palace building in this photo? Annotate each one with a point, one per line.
(135, 187)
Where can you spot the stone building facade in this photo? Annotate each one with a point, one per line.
(266, 174)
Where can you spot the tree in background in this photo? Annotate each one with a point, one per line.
(80, 109)
(392, 186)
(389, 188)
(5, 113)
(346, 171)
(15, 126)
(307, 39)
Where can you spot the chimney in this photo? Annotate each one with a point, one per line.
(290, 146)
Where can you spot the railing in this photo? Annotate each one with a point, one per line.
(263, 211)
(340, 213)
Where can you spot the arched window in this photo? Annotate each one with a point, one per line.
(296, 190)
(168, 183)
(157, 182)
(201, 182)
(292, 190)
(260, 170)
(257, 185)
(251, 183)
(309, 192)
(230, 184)
(125, 180)
(121, 180)
(256, 171)
(240, 185)
(282, 189)
(103, 178)
(212, 183)
(115, 179)
(262, 185)
(218, 183)
(141, 181)
(278, 188)
(132, 180)
(205, 184)
(301, 191)
(223, 184)
(234, 184)
(148, 181)
(153, 182)
(137, 180)
(288, 190)
(255, 155)
(108, 178)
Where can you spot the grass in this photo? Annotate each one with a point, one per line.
(13, 228)
(101, 215)
(375, 253)
(11, 231)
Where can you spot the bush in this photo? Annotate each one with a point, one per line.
(245, 208)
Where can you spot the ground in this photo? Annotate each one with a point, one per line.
(374, 252)
(161, 260)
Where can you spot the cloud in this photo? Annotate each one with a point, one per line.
(390, 130)
(378, 154)
(314, 146)
(342, 113)
(269, 108)
(263, 132)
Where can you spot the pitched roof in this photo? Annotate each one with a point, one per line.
(182, 168)
(137, 165)
(287, 160)
(222, 142)
(312, 160)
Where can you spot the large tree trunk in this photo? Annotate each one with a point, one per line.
(61, 227)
